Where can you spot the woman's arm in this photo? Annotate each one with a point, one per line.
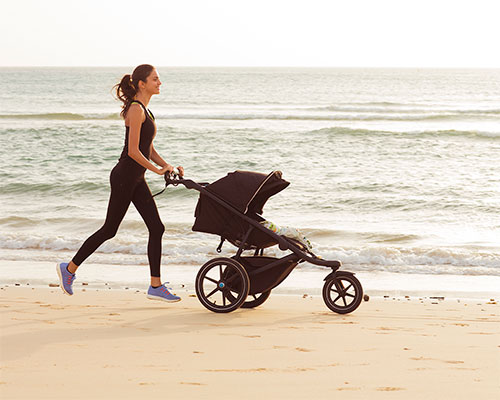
(155, 157)
(135, 118)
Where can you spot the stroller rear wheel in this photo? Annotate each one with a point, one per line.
(258, 299)
(343, 293)
(222, 285)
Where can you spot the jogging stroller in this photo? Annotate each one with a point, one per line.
(232, 209)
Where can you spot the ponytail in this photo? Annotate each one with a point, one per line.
(128, 87)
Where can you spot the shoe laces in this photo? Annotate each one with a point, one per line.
(70, 278)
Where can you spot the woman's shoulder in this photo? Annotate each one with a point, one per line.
(137, 107)
(135, 111)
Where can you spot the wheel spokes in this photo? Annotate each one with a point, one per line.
(341, 292)
(212, 292)
(222, 285)
(229, 294)
(211, 280)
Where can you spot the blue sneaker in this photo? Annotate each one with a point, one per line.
(66, 278)
(163, 294)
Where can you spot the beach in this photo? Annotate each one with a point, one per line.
(392, 172)
(106, 344)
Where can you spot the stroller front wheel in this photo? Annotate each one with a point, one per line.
(343, 293)
(222, 285)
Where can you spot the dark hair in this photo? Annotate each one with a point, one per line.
(129, 86)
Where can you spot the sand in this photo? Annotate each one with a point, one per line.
(107, 344)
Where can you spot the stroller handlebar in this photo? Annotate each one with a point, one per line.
(175, 178)
(174, 174)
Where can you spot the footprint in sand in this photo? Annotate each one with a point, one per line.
(303, 350)
(296, 348)
(238, 370)
(434, 359)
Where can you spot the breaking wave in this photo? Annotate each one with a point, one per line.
(190, 248)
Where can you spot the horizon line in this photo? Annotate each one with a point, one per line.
(250, 66)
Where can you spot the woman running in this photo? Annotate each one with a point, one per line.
(127, 181)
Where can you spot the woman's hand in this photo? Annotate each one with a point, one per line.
(166, 169)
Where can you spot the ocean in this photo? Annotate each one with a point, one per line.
(391, 171)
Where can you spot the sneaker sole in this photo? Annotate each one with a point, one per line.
(58, 269)
(151, 297)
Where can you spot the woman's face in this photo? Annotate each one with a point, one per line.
(152, 84)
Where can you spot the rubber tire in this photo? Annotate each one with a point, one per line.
(342, 277)
(235, 302)
(261, 298)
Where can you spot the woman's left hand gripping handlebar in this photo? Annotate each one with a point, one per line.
(171, 171)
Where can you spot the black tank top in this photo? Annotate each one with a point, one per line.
(148, 129)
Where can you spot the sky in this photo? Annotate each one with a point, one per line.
(305, 33)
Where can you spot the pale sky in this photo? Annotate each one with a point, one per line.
(347, 33)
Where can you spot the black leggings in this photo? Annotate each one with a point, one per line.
(127, 186)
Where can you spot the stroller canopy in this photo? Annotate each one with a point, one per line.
(247, 192)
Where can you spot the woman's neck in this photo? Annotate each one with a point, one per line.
(143, 98)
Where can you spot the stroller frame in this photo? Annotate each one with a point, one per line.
(240, 276)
